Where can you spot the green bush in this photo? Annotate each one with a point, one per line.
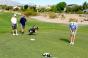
(79, 12)
(52, 15)
(30, 12)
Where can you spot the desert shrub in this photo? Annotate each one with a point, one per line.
(79, 12)
(85, 19)
(80, 15)
(52, 15)
(72, 20)
(30, 12)
(62, 16)
(8, 8)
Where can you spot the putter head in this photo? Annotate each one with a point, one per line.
(46, 55)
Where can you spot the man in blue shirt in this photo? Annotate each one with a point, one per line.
(73, 29)
(22, 22)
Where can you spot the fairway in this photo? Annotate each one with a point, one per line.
(51, 37)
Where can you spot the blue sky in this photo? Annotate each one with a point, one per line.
(50, 2)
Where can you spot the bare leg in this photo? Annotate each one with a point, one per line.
(13, 31)
(73, 38)
(16, 31)
(22, 28)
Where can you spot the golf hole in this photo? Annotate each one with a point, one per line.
(32, 39)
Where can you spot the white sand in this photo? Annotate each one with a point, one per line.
(61, 20)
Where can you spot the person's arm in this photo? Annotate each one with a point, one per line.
(70, 27)
(76, 27)
(25, 19)
(20, 20)
(70, 30)
(11, 20)
(16, 22)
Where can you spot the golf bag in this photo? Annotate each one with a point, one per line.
(33, 30)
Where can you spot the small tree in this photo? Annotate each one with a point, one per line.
(42, 9)
(85, 5)
(74, 9)
(9, 8)
(30, 12)
(54, 8)
(25, 7)
(60, 6)
(33, 8)
(3, 6)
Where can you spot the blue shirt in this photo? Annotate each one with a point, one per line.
(23, 20)
(73, 25)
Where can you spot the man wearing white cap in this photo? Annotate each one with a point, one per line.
(14, 25)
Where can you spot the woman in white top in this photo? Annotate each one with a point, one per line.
(14, 25)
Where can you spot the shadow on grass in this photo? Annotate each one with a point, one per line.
(64, 39)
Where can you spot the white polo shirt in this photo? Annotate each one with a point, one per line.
(13, 20)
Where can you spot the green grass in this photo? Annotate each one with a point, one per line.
(52, 38)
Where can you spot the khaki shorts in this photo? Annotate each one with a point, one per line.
(73, 33)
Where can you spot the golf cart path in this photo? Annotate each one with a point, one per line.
(56, 20)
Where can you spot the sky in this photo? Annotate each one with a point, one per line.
(51, 2)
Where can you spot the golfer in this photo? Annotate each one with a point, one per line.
(22, 22)
(14, 24)
(73, 29)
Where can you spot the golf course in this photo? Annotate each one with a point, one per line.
(51, 38)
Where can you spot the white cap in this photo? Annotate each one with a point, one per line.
(14, 14)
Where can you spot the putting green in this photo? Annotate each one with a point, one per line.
(51, 38)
